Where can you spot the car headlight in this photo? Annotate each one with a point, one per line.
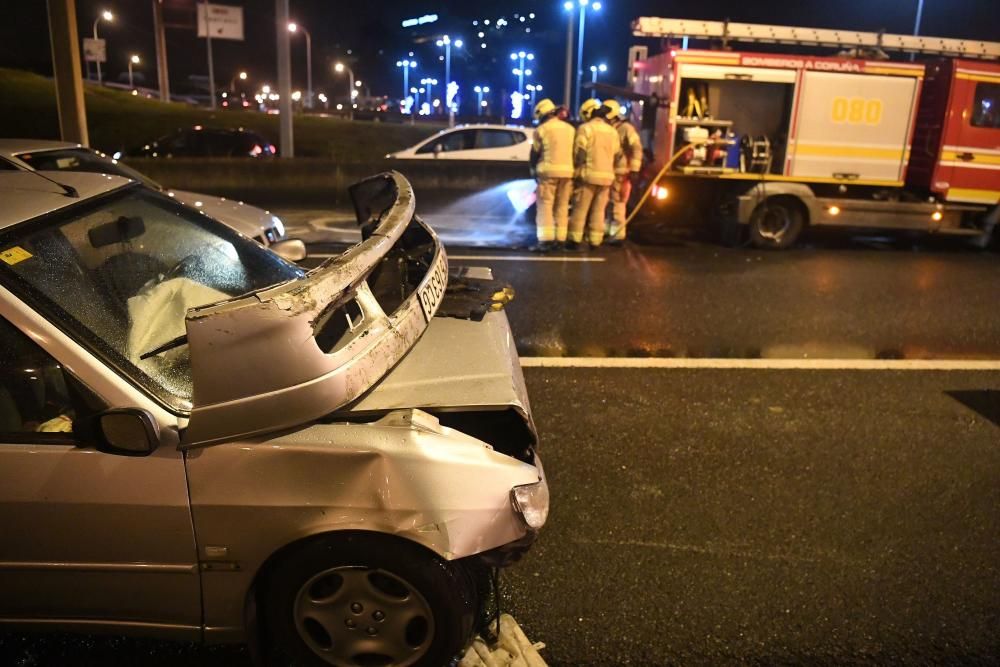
(531, 501)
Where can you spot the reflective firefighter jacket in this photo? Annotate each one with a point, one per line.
(597, 149)
(552, 151)
(630, 159)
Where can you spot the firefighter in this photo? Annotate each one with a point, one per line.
(627, 168)
(594, 154)
(552, 161)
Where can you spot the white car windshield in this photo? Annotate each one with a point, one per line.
(119, 273)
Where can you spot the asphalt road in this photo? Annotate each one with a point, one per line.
(765, 517)
(839, 298)
(742, 516)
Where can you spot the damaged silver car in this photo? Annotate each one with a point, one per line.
(202, 441)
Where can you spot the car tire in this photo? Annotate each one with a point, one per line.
(776, 224)
(366, 599)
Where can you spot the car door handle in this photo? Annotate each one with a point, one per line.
(966, 157)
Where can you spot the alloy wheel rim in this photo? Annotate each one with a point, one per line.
(363, 616)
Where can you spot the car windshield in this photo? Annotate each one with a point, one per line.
(120, 272)
(83, 159)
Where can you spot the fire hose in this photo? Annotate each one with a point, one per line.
(652, 183)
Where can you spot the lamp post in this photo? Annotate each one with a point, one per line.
(407, 65)
(596, 6)
(446, 42)
(594, 69)
(480, 105)
(568, 81)
(293, 28)
(105, 16)
(133, 60)
(532, 89)
(340, 67)
(430, 83)
(520, 72)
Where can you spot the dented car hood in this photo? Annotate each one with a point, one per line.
(268, 360)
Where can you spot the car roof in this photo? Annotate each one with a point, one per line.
(12, 147)
(27, 195)
(487, 126)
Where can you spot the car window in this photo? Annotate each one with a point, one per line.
(82, 159)
(497, 138)
(34, 392)
(984, 108)
(218, 143)
(459, 140)
(120, 273)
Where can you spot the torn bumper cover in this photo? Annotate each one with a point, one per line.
(291, 353)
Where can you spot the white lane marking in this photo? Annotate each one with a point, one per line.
(765, 364)
(524, 258)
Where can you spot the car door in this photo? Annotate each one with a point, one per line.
(497, 144)
(86, 537)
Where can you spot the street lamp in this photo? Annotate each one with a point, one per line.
(242, 76)
(407, 65)
(594, 69)
(134, 60)
(295, 27)
(480, 103)
(104, 16)
(446, 42)
(430, 83)
(340, 67)
(533, 88)
(520, 72)
(583, 4)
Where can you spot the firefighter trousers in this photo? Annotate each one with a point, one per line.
(590, 203)
(621, 190)
(552, 211)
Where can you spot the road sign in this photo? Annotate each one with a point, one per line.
(94, 50)
(226, 21)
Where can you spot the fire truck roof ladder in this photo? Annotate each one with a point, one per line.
(648, 26)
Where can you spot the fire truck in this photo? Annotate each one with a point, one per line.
(768, 143)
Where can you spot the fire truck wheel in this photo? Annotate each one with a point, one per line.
(776, 224)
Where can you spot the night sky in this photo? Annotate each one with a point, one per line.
(372, 33)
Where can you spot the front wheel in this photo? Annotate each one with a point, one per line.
(363, 599)
(776, 224)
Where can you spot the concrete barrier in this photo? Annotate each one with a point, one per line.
(319, 182)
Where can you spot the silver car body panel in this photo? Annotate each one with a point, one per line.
(403, 475)
(297, 381)
(27, 195)
(248, 220)
(457, 365)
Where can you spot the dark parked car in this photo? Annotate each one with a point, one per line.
(201, 141)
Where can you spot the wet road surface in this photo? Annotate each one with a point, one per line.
(840, 299)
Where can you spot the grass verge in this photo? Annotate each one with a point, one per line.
(118, 120)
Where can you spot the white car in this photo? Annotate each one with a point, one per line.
(473, 142)
(258, 224)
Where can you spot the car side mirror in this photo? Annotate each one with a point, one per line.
(438, 149)
(126, 432)
(292, 250)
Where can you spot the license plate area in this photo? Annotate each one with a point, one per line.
(432, 292)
